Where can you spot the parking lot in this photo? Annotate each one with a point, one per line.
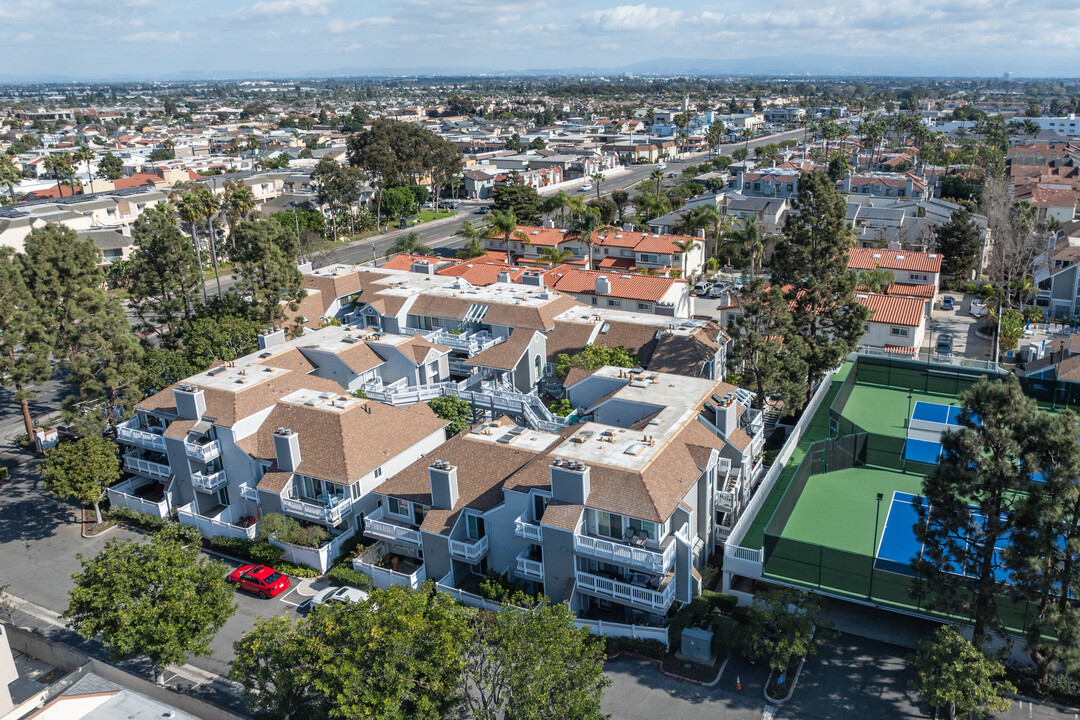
(960, 325)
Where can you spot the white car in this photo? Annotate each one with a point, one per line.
(978, 309)
(335, 594)
(585, 188)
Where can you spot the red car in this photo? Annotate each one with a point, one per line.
(259, 579)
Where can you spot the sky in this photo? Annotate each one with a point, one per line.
(90, 39)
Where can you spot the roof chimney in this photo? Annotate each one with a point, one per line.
(549, 224)
(603, 285)
(271, 336)
(570, 481)
(190, 401)
(287, 449)
(504, 277)
(444, 486)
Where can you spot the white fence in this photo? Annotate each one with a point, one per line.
(318, 558)
(121, 495)
(382, 578)
(221, 526)
(637, 632)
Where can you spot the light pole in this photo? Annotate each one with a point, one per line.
(907, 418)
(873, 549)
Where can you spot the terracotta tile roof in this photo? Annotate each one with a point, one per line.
(507, 354)
(545, 237)
(617, 263)
(344, 445)
(869, 258)
(482, 468)
(480, 272)
(647, 288)
(904, 289)
(893, 310)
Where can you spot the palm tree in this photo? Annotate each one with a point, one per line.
(597, 178)
(9, 174)
(685, 246)
(474, 249)
(702, 218)
(237, 203)
(209, 203)
(554, 255)
(586, 229)
(658, 176)
(876, 280)
(85, 154)
(60, 165)
(409, 244)
(187, 207)
(557, 203)
(745, 239)
(503, 224)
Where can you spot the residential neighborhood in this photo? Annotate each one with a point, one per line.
(355, 367)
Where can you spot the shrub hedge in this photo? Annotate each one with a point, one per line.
(345, 575)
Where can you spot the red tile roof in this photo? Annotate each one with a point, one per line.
(869, 258)
(892, 309)
(648, 288)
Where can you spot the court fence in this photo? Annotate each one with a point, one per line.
(913, 375)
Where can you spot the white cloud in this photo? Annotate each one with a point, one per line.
(24, 37)
(633, 18)
(339, 26)
(277, 8)
(158, 36)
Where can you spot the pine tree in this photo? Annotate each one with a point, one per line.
(970, 498)
(765, 350)
(958, 243)
(165, 274)
(266, 268)
(25, 344)
(811, 266)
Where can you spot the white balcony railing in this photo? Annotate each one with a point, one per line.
(203, 453)
(368, 563)
(209, 482)
(376, 527)
(526, 567)
(222, 525)
(317, 512)
(469, 550)
(146, 467)
(655, 562)
(725, 501)
(132, 435)
(527, 530)
(249, 492)
(657, 600)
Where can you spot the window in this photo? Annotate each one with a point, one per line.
(614, 303)
(918, 277)
(899, 332)
(644, 306)
(609, 524)
(594, 301)
(474, 526)
(540, 503)
(643, 527)
(378, 473)
(397, 507)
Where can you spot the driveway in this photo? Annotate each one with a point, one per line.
(958, 323)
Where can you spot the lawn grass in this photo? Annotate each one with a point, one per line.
(429, 215)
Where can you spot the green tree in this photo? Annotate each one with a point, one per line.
(475, 247)
(111, 167)
(85, 155)
(764, 351)
(266, 269)
(9, 174)
(812, 264)
(1044, 548)
(958, 240)
(782, 626)
(81, 470)
(454, 409)
(586, 228)
(591, 357)
(161, 368)
(410, 243)
(523, 201)
(62, 166)
(533, 663)
(275, 665)
(621, 198)
(503, 225)
(742, 241)
(554, 255)
(25, 337)
(598, 180)
(221, 336)
(970, 498)
(739, 154)
(165, 274)
(876, 280)
(159, 599)
(238, 201)
(951, 674)
(513, 143)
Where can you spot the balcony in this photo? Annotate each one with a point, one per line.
(132, 434)
(229, 522)
(380, 525)
(725, 501)
(529, 566)
(378, 563)
(141, 466)
(656, 600)
(205, 452)
(140, 495)
(249, 492)
(325, 511)
(469, 550)
(649, 560)
(528, 530)
(209, 482)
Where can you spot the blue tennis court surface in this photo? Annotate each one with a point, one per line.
(898, 546)
(922, 451)
(936, 413)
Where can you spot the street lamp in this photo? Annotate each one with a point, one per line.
(873, 548)
(907, 418)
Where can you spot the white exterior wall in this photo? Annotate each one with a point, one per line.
(881, 334)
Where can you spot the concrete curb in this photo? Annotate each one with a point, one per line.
(303, 586)
(674, 676)
(791, 691)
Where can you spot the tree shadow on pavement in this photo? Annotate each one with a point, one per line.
(27, 512)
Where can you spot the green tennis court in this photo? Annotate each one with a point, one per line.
(884, 410)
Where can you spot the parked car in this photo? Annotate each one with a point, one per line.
(719, 289)
(334, 594)
(944, 345)
(585, 188)
(662, 166)
(484, 210)
(258, 579)
(673, 174)
(948, 303)
(701, 288)
(978, 308)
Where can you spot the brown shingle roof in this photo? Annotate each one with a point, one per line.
(291, 359)
(562, 516)
(344, 445)
(360, 358)
(635, 337)
(507, 354)
(568, 338)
